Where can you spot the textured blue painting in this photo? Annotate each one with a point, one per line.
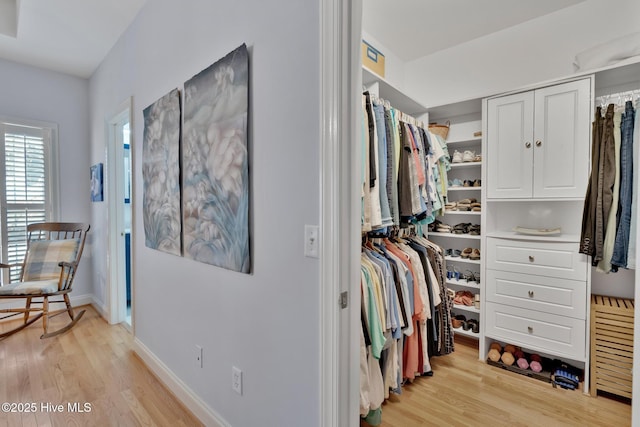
(215, 164)
(161, 174)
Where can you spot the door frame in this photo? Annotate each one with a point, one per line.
(341, 80)
(116, 252)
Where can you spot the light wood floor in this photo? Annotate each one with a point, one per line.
(467, 392)
(92, 363)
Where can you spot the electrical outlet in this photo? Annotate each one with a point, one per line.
(198, 353)
(236, 380)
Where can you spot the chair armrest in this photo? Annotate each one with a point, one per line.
(68, 264)
(2, 265)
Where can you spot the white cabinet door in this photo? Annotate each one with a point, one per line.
(561, 133)
(510, 146)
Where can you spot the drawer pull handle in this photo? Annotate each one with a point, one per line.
(527, 144)
(530, 294)
(530, 329)
(531, 259)
(538, 143)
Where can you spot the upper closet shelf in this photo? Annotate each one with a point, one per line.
(390, 93)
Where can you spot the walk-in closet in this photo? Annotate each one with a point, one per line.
(499, 226)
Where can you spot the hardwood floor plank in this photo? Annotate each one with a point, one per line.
(467, 392)
(92, 363)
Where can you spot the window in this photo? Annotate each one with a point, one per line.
(26, 196)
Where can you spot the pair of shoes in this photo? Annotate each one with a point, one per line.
(453, 274)
(466, 252)
(451, 206)
(457, 157)
(472, 277)
(471, 325)
(477, 158)
(474, 230)
(452, 253)
(464, 298)
(458, 321)
(474, 255)
(462, 228)
(467, 204)
(456, 183)
(468, 156)
(472, 183)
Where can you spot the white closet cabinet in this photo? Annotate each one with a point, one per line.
(539, 142)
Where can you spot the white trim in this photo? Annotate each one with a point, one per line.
(182, 392)
(340, 211)
(113, 173)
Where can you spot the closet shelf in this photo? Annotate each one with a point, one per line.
(464, 260)
(455, 236)
(464, 189)
(464, 141)
(464, 283)
(469, 308)
(447, 213)
(465, 165)
(469, 333)
(390, 93)
(564, 237)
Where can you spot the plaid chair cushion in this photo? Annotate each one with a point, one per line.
(38, 287)
(43, 258)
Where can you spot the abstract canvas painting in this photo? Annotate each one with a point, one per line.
(161, 174)
(215, 164)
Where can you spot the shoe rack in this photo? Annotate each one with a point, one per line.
(464, 279)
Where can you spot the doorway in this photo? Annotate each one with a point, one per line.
(120, 216)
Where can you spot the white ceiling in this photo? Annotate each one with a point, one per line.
(412, 29)
(69, 36)
(73, 36)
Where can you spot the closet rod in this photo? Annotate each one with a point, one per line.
(403, 116)
(620, 96)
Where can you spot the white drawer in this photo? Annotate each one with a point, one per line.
(552, 259)
(547, 294)
(536, 331)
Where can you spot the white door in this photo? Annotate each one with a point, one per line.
(510, 146)
(561, 147)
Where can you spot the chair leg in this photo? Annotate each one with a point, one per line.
(26, 313)
(45, 314)
(68, 303)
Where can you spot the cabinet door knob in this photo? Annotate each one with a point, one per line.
(527, 144)
(530, 329)
(530, 294)
(538, 143)
(531, 259)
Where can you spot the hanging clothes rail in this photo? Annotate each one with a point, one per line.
(618, 98)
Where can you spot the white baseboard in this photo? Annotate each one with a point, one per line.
(188, 398)
(100, 308)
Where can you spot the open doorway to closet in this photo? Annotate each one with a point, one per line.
(120, 221)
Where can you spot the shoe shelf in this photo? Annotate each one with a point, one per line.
(469, 333)
(463, 283)
(469, 141)
(467, 308)
(464, 189)
(460, 259)
(455, 236)
(465, 165)
(446, 213)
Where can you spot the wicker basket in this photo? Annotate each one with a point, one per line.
(441, 130)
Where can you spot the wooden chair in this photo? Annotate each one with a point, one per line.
(49, 267)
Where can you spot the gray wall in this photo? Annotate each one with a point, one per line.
(36, 94)
(266, 323)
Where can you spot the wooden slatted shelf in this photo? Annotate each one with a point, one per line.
(611, 345)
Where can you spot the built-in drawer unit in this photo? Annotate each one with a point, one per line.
(536, 331)
(546, 294)
(557, 259)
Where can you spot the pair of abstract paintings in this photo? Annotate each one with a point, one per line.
(195, 176)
